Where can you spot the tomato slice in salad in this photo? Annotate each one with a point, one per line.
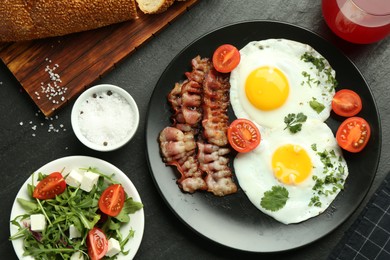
(112, 199)
(97, 244)
(50, 186)
(346, 103)
(225, 58)
(243, 135)
(353, 134)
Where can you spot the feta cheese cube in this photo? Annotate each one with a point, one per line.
(77, 256)
(38, 222)
(113, 247)
(74, 178)
(74, 232)
(89, 179)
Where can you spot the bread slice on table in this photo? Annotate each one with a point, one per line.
(154, 6)
(33, 19)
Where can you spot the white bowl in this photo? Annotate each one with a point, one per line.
(137, 219)
(105, 117)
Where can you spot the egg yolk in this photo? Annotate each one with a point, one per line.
(267, 88)
(291, 164)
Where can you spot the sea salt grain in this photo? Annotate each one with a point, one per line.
(106, 118)
(52, 126)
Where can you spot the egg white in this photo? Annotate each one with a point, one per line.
(286, 56)
(255, 175)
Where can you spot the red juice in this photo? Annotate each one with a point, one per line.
(347, 19)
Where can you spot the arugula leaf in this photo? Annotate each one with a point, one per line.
(275, 199)
(28, 205)
(317, 106)
(294, 122)
(130, 206)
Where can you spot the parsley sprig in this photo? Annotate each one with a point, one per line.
(275, 199)
(294, 122)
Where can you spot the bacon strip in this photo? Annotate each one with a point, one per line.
(213, 160)
(178, 149)
(216, 101)
(213, 157)
(199, 102)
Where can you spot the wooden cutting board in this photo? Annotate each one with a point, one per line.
(55, 70)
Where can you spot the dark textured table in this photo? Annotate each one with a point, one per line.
(28, 141)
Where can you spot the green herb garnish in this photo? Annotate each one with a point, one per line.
(275, 199)
(309, 79)
(315, 201)
(317, 62)
(317, 106)
(320, 65)
(332, 179)
(294, 122)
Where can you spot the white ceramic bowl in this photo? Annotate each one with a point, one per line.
(105, 117)
(137, 219)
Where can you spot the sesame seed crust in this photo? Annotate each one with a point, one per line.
(33, 19)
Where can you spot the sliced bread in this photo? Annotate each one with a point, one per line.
(154, 6)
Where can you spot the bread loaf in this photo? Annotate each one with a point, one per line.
(32, 19)
(154, 6)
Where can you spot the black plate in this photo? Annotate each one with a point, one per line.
(233, 221)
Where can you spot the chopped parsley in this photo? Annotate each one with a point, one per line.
(275, 199)
(317, 106)
(317, 62)
(294, 122)
(309, 79)
(333, 179)
(315, 201)
(320, 65)
(331, 80)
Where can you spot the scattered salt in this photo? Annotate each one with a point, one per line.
(106, 118)
(52, 127)
(52, 91)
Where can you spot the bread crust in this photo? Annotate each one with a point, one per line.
(154, 6)
(32, 19)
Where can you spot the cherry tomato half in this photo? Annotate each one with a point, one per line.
(243, 135)
(112, 199)
(353, 134)
(50, 186)
(346, 103)
(97, 244)
(225, 58)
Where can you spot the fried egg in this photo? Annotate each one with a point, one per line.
(293, 177)
(276, 77)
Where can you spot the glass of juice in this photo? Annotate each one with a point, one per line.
(358, 21)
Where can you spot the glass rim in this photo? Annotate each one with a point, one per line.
(367, 12)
